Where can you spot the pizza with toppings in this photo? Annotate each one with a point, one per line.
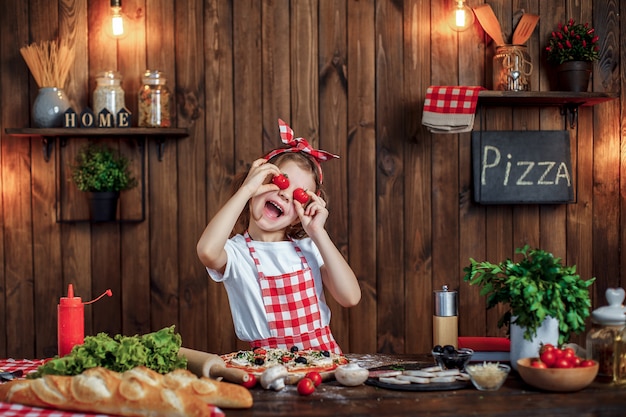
(257, 360)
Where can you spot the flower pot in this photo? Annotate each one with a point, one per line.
(103, 206)
(574, 76)
(49, 107)
(548, 332)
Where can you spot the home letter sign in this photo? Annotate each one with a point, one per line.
(522, 167)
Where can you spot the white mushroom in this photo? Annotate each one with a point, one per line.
(274, 377)
(351, 375)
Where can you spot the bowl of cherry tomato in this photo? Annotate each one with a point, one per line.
(557, 369)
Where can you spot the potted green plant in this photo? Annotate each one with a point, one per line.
(536, 288)
(573, 48)
(101, 172)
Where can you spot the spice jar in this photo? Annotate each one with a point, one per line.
(512, 68)
(607, 323)
(154, 101)
(108, 93)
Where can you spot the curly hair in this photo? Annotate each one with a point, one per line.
(303, 161)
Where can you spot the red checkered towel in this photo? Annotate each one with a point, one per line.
(450, 109)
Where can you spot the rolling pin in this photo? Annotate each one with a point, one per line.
(212, 366)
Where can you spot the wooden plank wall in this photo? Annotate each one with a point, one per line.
(350, 76)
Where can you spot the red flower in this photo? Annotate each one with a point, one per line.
(572, 42)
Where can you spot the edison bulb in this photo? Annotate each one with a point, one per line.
(462, 17)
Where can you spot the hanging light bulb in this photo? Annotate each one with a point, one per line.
(116, 27)
(462, 17)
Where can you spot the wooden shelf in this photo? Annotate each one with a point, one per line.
(140, 134)
(98, 131)
(48, 135)
(542, 98)
(568, 101)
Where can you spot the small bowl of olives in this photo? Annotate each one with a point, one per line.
(448, 357)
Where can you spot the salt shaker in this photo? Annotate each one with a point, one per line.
(445, 318)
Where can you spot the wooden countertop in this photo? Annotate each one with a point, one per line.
(515, 398)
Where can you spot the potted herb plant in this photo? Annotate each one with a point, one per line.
(538, 289)
(102, 173)
(573, 48)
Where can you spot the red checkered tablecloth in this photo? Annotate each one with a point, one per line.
(25, 365)
(17, 410)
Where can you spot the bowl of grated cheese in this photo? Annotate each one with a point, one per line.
(488, 376)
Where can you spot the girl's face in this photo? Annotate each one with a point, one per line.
(272, 212)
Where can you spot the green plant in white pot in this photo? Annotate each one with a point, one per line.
(537, 289)
(101, 172)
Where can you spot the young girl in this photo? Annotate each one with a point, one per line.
(275, 267)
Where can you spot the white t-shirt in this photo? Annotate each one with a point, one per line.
(240, 279)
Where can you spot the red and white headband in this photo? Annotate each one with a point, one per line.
(299, 145)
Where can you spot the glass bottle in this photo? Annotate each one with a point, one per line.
(154, 101)
(607, 323)
(108, 93)
(619, 358)
(512, 68)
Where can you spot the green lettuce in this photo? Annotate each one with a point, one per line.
(157, 351)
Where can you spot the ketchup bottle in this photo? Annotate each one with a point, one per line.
(71, 322)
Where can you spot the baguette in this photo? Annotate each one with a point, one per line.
(137, 392)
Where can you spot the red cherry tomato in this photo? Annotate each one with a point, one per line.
(300, 195)
(251, 382)
(306, 386)
(562, 363)
(538, 364)
(559, 353)
(569, 354)
(315, 377)
(281, 181)
(576, 361)
(587, 363)
(548, 358)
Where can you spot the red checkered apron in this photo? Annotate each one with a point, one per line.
(292, 308)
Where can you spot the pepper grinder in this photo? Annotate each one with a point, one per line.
(445, 318)
(70, 322)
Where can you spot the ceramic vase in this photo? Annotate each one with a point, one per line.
(574, 76)
(49, 106)
(548, 332)
(103, 206)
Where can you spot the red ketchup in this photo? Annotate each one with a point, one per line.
(71, 320)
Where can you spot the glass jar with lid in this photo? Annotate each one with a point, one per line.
(607, 323)
(154, 101)
(108, 93)
(512, 68)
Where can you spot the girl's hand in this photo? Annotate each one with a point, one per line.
(256, 182)
(313, 216)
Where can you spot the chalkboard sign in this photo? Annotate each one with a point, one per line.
(511, 167)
